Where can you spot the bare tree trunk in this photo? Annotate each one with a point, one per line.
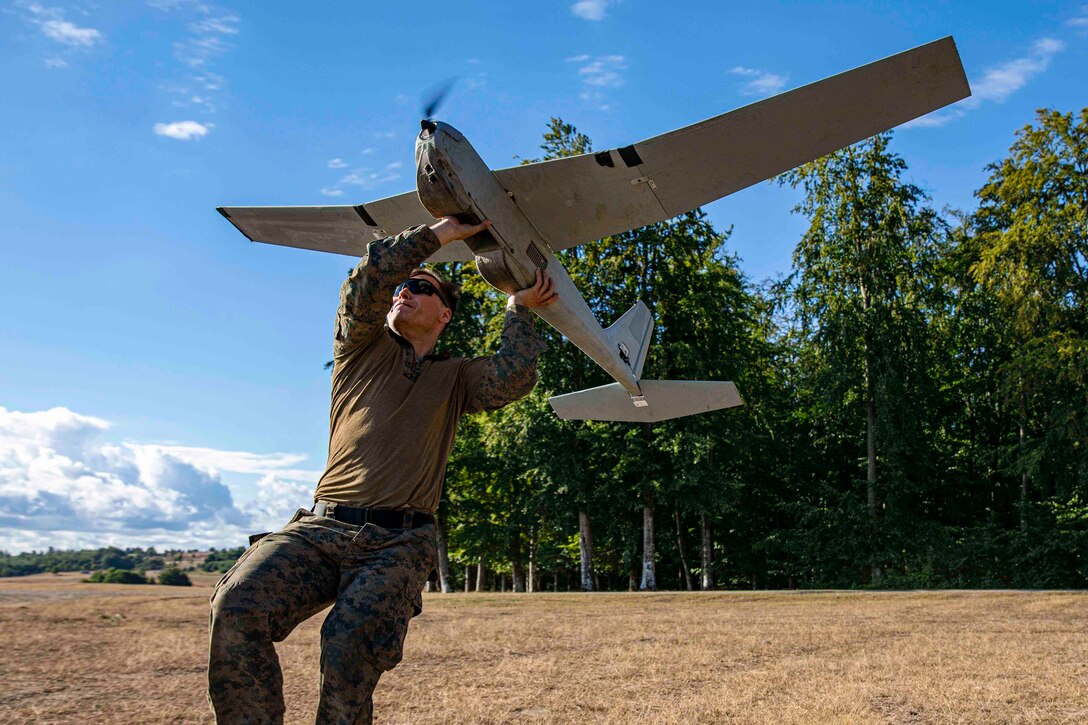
(516, 566)
(708, 553)
(534, 565)
(875, 572)
(444, 577)
(1024, 473)
(429, 586)
(481, 575)
(649, 575)
(467, 571)
(585, 550)
(683, 553)
(632, 578)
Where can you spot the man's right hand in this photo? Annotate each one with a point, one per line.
(448, 229)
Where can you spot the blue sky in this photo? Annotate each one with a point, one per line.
(161, 378)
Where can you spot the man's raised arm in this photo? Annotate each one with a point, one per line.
(510, 373)
(366, 294)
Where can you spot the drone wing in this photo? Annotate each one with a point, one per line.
(338, 229)
(578, 199)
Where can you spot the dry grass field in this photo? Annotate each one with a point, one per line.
(96, 653)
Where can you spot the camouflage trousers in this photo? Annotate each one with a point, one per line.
(372, 576)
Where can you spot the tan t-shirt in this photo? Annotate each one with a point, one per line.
(393, 417)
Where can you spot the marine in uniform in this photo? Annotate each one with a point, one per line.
(368, 545)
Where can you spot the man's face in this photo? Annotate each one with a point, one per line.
(417, 313)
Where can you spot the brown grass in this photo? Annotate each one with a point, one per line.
(101, 653)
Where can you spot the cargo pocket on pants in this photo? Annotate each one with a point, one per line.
(253, 547)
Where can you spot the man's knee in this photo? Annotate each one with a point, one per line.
(237, 614)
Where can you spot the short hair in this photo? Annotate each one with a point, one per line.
(449, 293)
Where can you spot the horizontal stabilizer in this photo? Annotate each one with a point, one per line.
(660, 400)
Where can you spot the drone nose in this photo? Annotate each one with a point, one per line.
(428, 126)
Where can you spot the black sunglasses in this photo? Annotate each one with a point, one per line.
(419, 287)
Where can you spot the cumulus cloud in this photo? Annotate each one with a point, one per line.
(337, 163)
(761, 83)
(62, 483)
(182, 130)
(591, 9)
(998, 82)
(332, 191)
(598, 74)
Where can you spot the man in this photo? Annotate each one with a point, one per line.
(368, 545)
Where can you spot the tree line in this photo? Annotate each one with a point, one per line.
(916, 397)
(114, 559)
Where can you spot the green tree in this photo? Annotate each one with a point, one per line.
(117, 576)
(174, 577)
(859, 297)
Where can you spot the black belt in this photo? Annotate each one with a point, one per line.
(386, 518)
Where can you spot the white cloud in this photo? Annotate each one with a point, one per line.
(591, 9)
(394, 165)
(369, 179)
(997, 83)
(332, 191)
(337, 163)
(1000, 82)
(171, 5)
(53, 25)
(215, 460)
(56, 63)
(762, 83)
(210, 81)
(182, 130)
(368, 150)
(1080, 22)
(205, 32)
(63, 484)
(936, 118)
(65, 32)
(225, 24)
(200, 50)
(598, 74)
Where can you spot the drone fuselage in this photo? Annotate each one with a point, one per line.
(452, 180)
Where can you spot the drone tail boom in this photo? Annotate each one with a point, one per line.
(660, 400)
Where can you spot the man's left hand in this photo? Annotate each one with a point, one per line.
(540, 294)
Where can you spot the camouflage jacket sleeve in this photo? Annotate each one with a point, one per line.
(510, 373)
(367, 293)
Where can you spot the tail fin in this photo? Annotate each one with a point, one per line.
(660, 400)
(631, 336)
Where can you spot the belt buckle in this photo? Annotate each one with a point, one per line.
(408, 516)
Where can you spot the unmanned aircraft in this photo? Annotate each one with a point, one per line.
(538, 209)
